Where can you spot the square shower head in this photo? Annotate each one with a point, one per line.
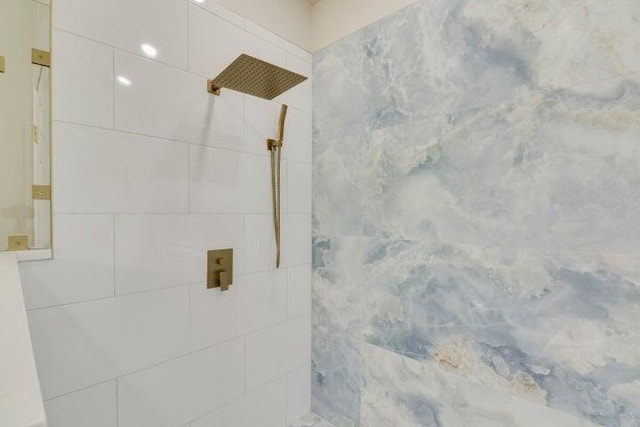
(255, 77)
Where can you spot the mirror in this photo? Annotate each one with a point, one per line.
(25, 127)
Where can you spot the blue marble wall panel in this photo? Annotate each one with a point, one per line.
(557, 328)
(476, 207)
(399, 391)
(443, 56)
(555, 169)
(337, 195)
(336, 316)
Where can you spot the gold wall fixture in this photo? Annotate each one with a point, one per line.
(275, 147)
(253, 76)
(18, 243)
(41, 57)
(1, 64)
(41, 192)
(219, 269)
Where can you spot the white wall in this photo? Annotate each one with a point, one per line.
(290, 19)
(147, 177)
(335, 19)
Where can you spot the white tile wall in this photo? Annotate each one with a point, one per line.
(170, 103)
(298, 394)
(261, 253)
(102, 170)
(224, 181)
(214, 42)
(74, 77)
(129, 24)
(158, 251)
(179, 391)
(84, 245)
(257, 301)
(296, 239)
(82, 344)
(150, 171)
(264, 407)
(299, 183)
(299, 290)
(277, 351)
(94, 406)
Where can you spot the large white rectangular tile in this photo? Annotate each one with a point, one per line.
(298, 394)
(214, 7)
(297, 136)
(299, 187)
(261, 243)
(254, 301)
(298, 97)
(78, 345)
(299, 290)
(93, 406)
(264, 407)
(163, 101)
(176, 392)
(224, 181)
(156, 251)
(214, 42)
(97, 170)
(296, 239)
(82, 268)
(82, 88)
(128, 25)
(276, 40)
(277, 351)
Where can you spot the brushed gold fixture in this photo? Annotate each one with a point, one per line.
(41, 192)
(1, 64)
(255, 77)
(275, 147)
(219, 269)
(18, 243)
(41, 57)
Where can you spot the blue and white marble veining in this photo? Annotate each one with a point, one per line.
(557, 328)
(337, 195)
(337, 76)
(443, 56)
(336, 370)
(476, 217)
(558, 169)
(399, 391)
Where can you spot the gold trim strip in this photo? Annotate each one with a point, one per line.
(18, 243)
(41, 57)
(1, 64)
(41, 192)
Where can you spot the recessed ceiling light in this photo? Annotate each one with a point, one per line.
(149, 50)
(124, 81)
(199, 1)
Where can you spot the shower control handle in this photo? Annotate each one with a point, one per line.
(220, 269)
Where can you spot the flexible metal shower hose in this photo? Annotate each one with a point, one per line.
(275, 146)
(276, 153)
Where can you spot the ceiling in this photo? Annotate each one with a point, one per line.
(314, 1)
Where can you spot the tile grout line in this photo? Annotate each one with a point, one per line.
(163, 138)
(113, 254)
(117, 404)
(145, 291)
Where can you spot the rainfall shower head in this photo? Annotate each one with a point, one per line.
(255, 77)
